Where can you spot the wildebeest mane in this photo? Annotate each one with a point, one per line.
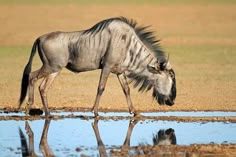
(147, 37)
(149, 40)
(99, 26)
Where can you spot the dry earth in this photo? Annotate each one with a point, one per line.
(190, 33)
(201, 40)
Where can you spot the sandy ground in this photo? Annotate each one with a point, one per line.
(202, 84)
(200, 39)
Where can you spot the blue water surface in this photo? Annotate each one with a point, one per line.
(74, 137)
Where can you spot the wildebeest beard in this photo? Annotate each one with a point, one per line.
(140, 81)
(145, 84)
(163, 99)
(159, 97)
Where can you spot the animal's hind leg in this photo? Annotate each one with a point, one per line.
(33, 77)
(43, 88)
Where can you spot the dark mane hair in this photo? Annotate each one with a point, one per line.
(145, 35)
(148, 38)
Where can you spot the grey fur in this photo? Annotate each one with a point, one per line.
(116, 45)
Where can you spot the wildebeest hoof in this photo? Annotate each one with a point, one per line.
(35, 111)
(137, 115)
(96, 116)
(49, 116)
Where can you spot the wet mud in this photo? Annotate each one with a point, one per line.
(184, 116)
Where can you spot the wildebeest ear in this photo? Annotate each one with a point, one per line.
(152, 69)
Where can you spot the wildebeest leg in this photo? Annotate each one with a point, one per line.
(101, 87)
(101, 147)
(33, 77)
(43, 88)
(44, 142)
(126, 144)
(126, 90)
(132, 123)
(31, 139)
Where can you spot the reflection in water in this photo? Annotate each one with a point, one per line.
(30, 133)
(163, 137)
(101, 147)
(44, 147)
(24, 146)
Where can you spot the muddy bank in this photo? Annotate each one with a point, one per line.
(211, 150)
(167, 118)
(87, 109)
(57, 115)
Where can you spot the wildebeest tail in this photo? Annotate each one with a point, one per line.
(25, 77)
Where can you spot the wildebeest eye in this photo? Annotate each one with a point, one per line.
(171, 73)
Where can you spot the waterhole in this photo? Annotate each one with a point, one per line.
(91, 137)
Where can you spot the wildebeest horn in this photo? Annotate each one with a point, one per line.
(165, 64)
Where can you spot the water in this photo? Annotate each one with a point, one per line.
(76, 137)
(126, 114)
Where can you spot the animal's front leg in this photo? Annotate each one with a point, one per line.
(126, 90)
(101, 87)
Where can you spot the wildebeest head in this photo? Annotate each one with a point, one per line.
(164, 90)
(164, 137)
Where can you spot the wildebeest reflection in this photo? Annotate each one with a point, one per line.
(44, 147)
(163, 137)
(101, 146)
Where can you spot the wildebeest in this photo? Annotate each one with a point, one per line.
(164, 137)
(115, 45)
